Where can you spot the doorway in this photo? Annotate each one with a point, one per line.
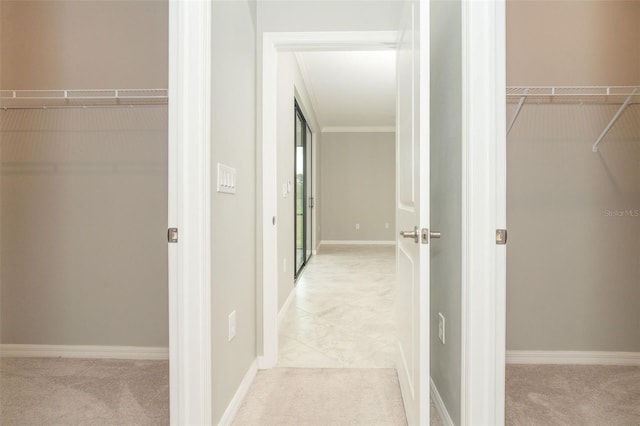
(402, 358)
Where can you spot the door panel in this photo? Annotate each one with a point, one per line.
(412, 173)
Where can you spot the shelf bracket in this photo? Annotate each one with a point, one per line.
(518, 108)
(614, 119)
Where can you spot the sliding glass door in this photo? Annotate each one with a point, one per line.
(303, 199)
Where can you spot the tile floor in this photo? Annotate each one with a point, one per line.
(343, 312)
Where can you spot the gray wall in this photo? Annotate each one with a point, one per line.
(233, 216)
(358, 186)
(290, 87)
(84, 195)
(446, 201)
(573, 274)
(573, 264)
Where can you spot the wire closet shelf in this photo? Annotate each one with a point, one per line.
(43, 99)
(605, 95)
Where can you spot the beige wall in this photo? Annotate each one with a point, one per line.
(573, 272)
(573, 43)
(233, 216)
(84, 44)
(290, 86)
(358, 186)
(84, 195)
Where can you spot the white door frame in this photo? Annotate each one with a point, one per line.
(272, 43)
(484, 211)
(189, 211)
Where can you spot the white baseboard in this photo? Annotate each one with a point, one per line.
(262, 365)
(233, 407)
(439, 403)
(573, 357)
(358, 242)
(76, 351)
(286, 305)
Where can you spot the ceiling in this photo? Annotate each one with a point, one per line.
(351, 90)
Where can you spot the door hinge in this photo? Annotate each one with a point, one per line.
(172, 235)
(501, 236)
(311, 202)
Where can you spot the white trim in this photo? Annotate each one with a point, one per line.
(439, 403)
(272, 42)
(359, 129)
(189, 211)
(83, 351)
(308, 84)
(286, 306)
(573, 357)
(483, 262)
(233, 407)
(358, 243)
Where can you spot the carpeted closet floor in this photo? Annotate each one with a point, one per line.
(56, 391)
(577, 395)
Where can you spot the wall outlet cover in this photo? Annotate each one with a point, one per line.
(441, 329)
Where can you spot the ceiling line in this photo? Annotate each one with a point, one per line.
(359, 129)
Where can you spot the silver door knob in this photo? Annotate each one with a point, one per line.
(433, 234)
(415, 234)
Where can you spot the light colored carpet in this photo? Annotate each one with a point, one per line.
(318, 396)
(578, 395)
(55, 391)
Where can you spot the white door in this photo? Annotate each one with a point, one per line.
(412, 212)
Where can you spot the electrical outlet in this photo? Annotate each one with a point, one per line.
(441, 334)
(357, 226)
(386, 225)
(232, 325)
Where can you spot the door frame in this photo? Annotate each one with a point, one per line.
(189, 207)
(483, 212)
(272, 43)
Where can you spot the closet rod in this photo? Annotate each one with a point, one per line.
(569, 93)
(575, 95)
(11, 99)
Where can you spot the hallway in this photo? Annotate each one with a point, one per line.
(343, 312)
(336, 346)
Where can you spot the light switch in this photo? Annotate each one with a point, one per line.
(226, 179)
